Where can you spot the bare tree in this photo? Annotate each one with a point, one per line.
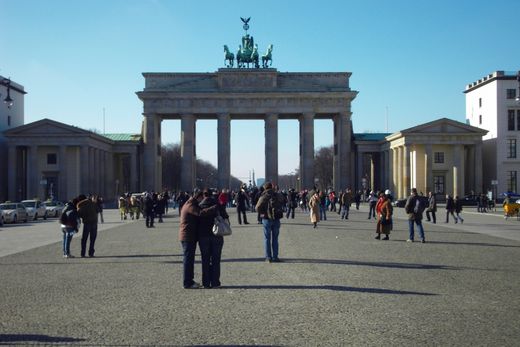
(323, 167)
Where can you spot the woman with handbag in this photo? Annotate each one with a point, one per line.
(210, 245)
(384, 222)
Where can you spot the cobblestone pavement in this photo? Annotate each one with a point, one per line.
(336, 286)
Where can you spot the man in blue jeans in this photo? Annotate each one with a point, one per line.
(414, 209)
(270, 209)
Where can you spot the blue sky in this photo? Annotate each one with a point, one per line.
(412, 58)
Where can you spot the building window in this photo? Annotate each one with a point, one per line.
(517, 119)
(480, 120)
(510, 119)
(511, 148)
(511, 181)
(438, 157)
(51, 159)
(8, 121)
(438, 184)
(479, 102)
(511, 93)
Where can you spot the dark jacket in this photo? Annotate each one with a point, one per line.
(71, 217)
(410, 208)
(205, 228)
(450, 204)
(458, 205)
(190, 219)
(87, 210)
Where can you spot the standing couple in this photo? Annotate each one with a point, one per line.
(197, 219)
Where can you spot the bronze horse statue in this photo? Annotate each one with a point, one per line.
(267, 57)
(228, 57)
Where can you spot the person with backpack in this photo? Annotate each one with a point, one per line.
(270, 208)
(414, 207)
(69, 225)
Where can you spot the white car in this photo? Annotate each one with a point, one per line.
(54, 208)
(35, 209)
(13, 212)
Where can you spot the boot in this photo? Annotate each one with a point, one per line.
(378, 237)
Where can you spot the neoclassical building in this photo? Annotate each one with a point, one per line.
(49, 159)
(443, 156)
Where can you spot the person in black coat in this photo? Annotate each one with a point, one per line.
(210, 245)
(242, 200)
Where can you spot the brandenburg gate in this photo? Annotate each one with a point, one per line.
(247, 93)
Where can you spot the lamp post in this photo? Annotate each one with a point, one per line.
(7, 83)
(518, 80)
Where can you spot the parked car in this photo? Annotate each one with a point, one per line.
(35, 209)
(1, 219)
(13, 212)
(54, 208)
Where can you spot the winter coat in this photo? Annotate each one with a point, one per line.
(190, 219)
(314, 206)
(432, 204)
(87, 210)
(205, 227)
(409, 207)
(385, 215)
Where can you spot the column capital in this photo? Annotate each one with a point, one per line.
(224, 115)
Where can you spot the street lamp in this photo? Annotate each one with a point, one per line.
(8, 101)
(518, 79)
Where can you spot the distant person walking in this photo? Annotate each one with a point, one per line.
(458, 210)
(372, 202)
(270, 208)
(450, 208)
(87, 211)
(69, 225)
(346, 201)
(242, 201)
(315, 208)
(432, 208)
(99, 203)
(323, 205)
(414, 209)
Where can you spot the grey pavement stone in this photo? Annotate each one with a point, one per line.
(336, 286)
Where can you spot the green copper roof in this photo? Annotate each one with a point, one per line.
(123, 137)
(370, 136)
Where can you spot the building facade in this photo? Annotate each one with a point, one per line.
(492, 103)
(52, 160)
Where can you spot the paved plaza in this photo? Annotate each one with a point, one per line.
(336, 286)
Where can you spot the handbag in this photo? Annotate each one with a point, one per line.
(221, 226)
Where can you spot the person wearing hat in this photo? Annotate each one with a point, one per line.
(384, 215)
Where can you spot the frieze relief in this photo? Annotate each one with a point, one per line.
(191, 105)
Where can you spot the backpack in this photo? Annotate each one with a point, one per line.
(274, 207)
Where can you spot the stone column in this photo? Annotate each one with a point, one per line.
(478, 167)
(103, 174)
(110, 190)
(406, 170)
(360, 171)
(33, 174)
(84, 169)
(188, 158)
(470, 182)
(458, 170)
(428, 173)
(224, 150)
(271, 148)
(152, 163)
(399, 185)
(12, 174)
(133, 170)
(62, 178)
(393, 179)
(307, 150)
(92, 173)
(342, 151)
(372, 172)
